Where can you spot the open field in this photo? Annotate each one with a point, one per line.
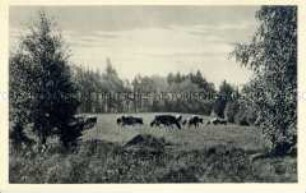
(192, 138)
(141, 154)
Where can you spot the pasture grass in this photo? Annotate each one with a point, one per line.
(245, 137)
(110, 154)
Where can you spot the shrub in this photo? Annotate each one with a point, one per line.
(231, 109)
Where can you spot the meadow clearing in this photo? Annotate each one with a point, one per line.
(109, 153)
(185, 139)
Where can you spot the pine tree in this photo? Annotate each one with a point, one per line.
(51, 95)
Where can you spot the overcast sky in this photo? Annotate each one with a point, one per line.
(151, 40)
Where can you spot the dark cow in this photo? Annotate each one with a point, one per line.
(129, 120)
(119, 120)
(194, 120)
(166, 120)
(83, 122)
(217, 121)
(179, 118)
(91, 121)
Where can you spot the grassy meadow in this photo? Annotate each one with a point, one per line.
(187, 138)
(142, 154)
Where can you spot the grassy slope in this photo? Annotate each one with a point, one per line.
(205, 154)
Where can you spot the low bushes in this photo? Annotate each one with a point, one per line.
(143, 161)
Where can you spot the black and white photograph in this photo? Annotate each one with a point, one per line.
(147, 94)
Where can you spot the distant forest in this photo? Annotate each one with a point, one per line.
(106, 92)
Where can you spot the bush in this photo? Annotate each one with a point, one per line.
(231, 109)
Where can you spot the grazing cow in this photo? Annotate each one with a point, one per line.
(217, 121)
(83, 122)
(195, 120)
(223, 122)
(91, 121)
(166, 120)
(119, 120)
(129, 120)
(179, 118)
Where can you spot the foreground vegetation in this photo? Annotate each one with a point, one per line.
(105, 162)
(111, 154)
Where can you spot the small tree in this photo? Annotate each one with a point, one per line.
(272, 54)
(224, 96)
(48, 94)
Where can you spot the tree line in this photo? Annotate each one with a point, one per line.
(106, 93)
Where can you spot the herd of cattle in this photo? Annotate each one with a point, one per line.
(168, 121)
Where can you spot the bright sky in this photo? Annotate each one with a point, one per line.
(151, 40)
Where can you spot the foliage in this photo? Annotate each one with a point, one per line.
(224, 96)
(176, 93)
(97, 90)
(41, 80)
(231, 110)
(272, 54)
(20, 94)
(104, 162)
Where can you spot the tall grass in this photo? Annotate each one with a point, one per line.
(99, 161)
